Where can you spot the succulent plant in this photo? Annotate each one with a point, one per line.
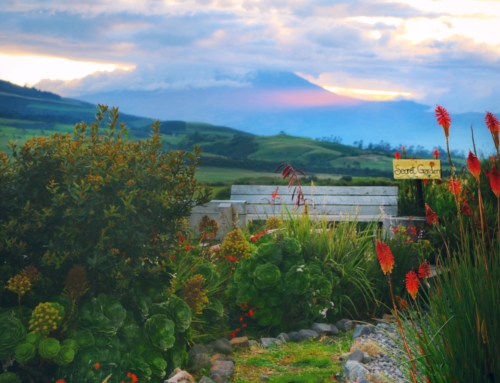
(71, 343)
(25, 352)
(83, 338)
(31, 273)
(156, 362)
(246, 293)
(46, 317)
(130, 329)
(160, 331)
(273, 222)
(180, 313)
(269, 252)
(193, 293)
(266, 276)
(103, 314)
(298, 279)
(12, 334)
(65, 356)
(291, 247)
(9, 377)
(33, 338)
(322, 287)
(49, 348)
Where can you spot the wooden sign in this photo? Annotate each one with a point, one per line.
(416, 169)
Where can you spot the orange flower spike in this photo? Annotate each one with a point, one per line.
(430, 216)
(443, 119)
(495, 181)
(397, 155)
(132, 377)
(97, 366)
(492, 123)
(424, 270)
(385, 256)
(436, 154)
(412, 283)
(474, 165)
(455, 187)
(60, 381)
(403, 305)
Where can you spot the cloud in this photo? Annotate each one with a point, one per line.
(178, 44)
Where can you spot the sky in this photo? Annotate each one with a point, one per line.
(443, 52)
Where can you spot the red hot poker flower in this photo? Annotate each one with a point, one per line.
(455, 187)
(436, 154)
(495, 181)
(492, 123)
(424, 270)
(443, 119)
(97, 366)
(60, 381)
(132, 377)
(474, 165)
(385, 256)
(403, 305)
(397, 155)
(430, 216)
(412, 283)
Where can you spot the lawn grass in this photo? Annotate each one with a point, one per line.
(305, 362)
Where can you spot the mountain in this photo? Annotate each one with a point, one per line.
(30, 108)
(268, 103)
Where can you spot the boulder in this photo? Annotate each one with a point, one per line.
(360, 330)
(181, 377)
(344, 325)
(266, 342)
(223, 368)
(355, 370)
(307, 334)
(294, 336)
(356, 355)
(239, 343)
(222, 346)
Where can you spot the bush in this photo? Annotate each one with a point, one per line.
(94, 195)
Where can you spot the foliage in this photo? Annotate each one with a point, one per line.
(25, 352)
(9, 377)
(49, 348)
(160, 331)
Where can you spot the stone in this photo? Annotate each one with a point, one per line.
(366, 358)
(360, 330)
(322, 328)
(224, 358)
(356, 355)
(223, 368)
(221, 345)
(181, 377)
(282, 339)
(252, 343)
(206, 379)
(264, 378)
(175, 372)
(266, 342)
(334, 330)
(198, 349)
(294, 336)
(307, 334)
(354, 370)
(384, 326)
(198, 362)
(216, 378)
(239, 343)
(283, 336)
(344, 325)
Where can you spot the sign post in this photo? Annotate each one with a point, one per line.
(417, 170)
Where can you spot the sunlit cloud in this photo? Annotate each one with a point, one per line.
(29, 70)
(367, 94)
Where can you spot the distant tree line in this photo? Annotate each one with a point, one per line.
(412, 151)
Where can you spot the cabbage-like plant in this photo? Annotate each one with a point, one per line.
(322, 287)
(33, 338)
(291, 247)
(156, 362)
(180, 313)
(269, 252)
(49, 348)
(266, 276)
(160, 331)
(65, 356)
(83, 338)
(9, 377)
(103, 314)
(207, 271)
(25, 352)
(298, 279)
(12, 334)
(246, 293)
(71, 343)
